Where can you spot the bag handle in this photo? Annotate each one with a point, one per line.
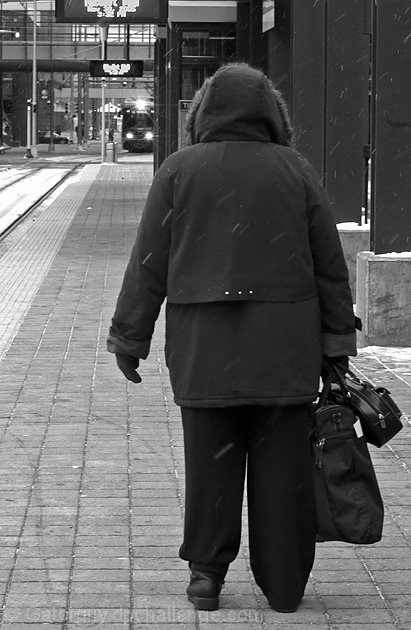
(354, 377)
(334, 371)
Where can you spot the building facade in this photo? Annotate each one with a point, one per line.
(341, 66)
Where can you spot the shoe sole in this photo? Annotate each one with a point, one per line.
(204, 603)
(284, 610)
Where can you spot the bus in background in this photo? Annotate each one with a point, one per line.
(137, 132)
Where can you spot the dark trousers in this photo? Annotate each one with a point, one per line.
(272, 444)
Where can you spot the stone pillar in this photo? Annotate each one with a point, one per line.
(354, 239)
(384, 298)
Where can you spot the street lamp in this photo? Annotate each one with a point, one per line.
(103, 40)
(32, 142)
(34, 84)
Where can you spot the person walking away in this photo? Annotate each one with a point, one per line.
(237, 234)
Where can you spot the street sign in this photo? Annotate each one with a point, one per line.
(112, 11)
(116, 68)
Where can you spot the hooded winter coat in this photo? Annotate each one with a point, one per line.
(238, 235)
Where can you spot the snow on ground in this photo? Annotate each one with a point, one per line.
(365, 227)
(15, 199)
(393, 353)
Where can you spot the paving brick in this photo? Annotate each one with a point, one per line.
(42, 587)
(30, 626)
(360, 615)
(351, 625)
(100, 600)
(36, 615)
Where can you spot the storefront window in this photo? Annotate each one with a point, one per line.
(208, 44)
(192, 78)
(202, 52)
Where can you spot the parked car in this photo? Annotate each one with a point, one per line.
(44, 138)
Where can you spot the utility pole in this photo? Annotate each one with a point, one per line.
(34, 86)
(103, 39)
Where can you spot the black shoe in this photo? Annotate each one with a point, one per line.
(284, 609)
(204, 590)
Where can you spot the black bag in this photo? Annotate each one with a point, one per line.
(349, 506)
(380, 417)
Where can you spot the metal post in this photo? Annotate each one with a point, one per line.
(28, 147)
(128, 42)
(79, 112)
(34, 86)
(103, 38)
(103, 121)
(86, 110)
(71, 108)
(52, 147)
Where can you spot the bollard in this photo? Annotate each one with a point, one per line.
(111, 152)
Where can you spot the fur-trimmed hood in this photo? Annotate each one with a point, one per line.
(238, 103)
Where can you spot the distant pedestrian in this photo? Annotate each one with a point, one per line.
(80, 133)
(238, 235)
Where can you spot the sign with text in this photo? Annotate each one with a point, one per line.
(183, 108)
(116, 68)
(268, 14)
(112, 11)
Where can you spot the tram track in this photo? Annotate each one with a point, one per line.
(33, 205)
(21, 178)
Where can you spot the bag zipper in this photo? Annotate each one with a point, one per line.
(319, 445)
(380, 416)
(388, 402)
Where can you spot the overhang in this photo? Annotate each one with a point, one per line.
(202, 11)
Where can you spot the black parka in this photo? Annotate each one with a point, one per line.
(238, 235)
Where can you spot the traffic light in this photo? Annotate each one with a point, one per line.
(66, 108)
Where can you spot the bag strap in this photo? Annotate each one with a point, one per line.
(334, 371)
(325, 389)
(341, 378)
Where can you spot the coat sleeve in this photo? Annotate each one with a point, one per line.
(331, 272)
(144, 284)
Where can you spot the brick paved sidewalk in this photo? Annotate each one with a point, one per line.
(92, 485)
